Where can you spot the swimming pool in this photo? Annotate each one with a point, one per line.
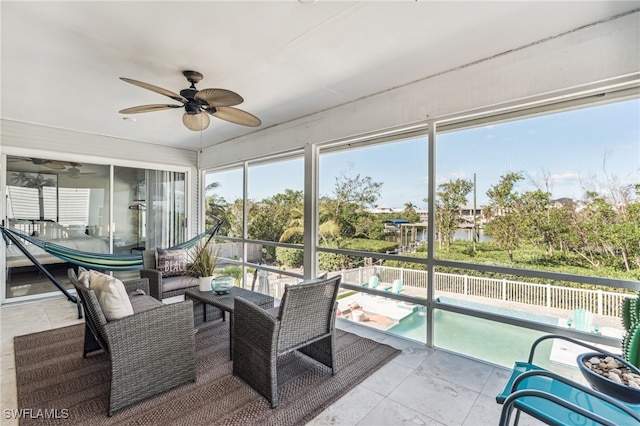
(492, 341)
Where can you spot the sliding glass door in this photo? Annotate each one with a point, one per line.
(129, 209)
(69, 204)
(62, 202)
(166, 203)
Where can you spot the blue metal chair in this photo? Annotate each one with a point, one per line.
(557, 400)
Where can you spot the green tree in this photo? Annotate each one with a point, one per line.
(328, 225)
(504, 225)
(269, 218)
(626, 231)
(608, 232)
(410, 208)
(233, 213)
(533, 209)
(327, 229)
(409, 213)
(631, 232)
(450, 198)
(217, 208)
(348, 206)
(595, 226)
(558, 230)
(295, 231)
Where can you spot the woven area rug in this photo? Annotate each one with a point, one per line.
(52, 375)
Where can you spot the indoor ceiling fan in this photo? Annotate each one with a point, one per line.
(51, 164)
(198, 104)
(74, 172)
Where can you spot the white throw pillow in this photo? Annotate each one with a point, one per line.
(83, 276)
(111, 295)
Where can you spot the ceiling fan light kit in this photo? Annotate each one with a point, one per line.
(198, 104)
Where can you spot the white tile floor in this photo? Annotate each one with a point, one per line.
(419, 387)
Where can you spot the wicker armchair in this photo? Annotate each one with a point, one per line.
(305, 322)
(150, 351)
(162, 288)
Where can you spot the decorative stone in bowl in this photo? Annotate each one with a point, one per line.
(222, 285)
(611, 375)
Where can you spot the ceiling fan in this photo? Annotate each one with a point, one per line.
(198, 104)
(74, 172)
(51, 164)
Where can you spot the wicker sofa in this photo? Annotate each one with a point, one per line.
(150, 351)
(304, 322)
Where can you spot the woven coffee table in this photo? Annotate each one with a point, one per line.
(226, 304)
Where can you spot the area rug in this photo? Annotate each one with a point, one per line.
(57, 386)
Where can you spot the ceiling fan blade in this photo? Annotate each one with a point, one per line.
(50, 164)
(156, 89)
(219, 97)
(237, 116)
(54, 166)
(66, 163)
(148, 108)
(196, 122)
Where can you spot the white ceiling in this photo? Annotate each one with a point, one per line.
(61, 61)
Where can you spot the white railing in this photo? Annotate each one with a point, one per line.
(547, 295)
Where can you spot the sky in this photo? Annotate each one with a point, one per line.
(566, 153)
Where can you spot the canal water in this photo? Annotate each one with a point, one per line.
(467, 235)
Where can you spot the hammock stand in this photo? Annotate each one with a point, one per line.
(40, 268)
(102, 261)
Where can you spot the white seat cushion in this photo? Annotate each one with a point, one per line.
(111, 295)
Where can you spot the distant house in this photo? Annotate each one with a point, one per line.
(384, 209)
(467, 213)
(393, 225)
(578, 205)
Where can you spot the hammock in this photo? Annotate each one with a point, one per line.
(101, 261)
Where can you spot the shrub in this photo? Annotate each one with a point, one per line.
(232, 271)
(289, 257)
(335, 262)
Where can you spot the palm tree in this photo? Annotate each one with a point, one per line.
(217, 209)
(32, 180)
(296, 225)
(211, 186)
(409, 207)
(328, 226)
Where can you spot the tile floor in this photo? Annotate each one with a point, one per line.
(419, 387)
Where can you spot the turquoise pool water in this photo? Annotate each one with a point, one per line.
(495, 342)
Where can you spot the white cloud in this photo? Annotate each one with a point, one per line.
(565, 176)
(452, 176)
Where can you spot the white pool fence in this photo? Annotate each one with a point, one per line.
(551, 296)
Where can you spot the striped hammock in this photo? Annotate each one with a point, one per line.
(101, 261)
